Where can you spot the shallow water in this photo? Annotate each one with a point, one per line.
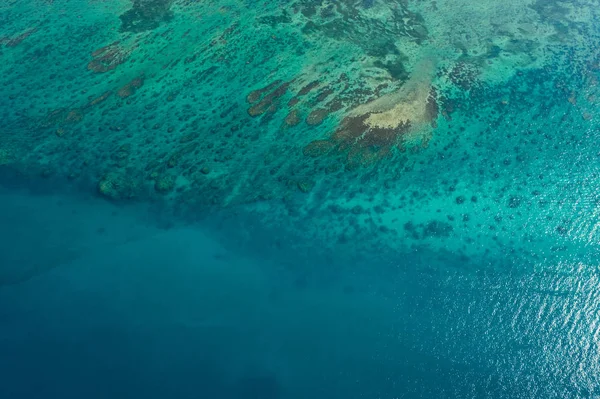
(355, 199)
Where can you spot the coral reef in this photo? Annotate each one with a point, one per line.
(370, 131)
(306, 185)
(5, 157)
(130, 88)
(165, 183)
(317, 116)
(266, 103)
(331, 87)
(99, 99)
(15, 41)
(117, 185)
(318, 148)
(146, 15)
(108, 58)
(293, 118)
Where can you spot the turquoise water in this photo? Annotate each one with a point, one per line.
(292, 199)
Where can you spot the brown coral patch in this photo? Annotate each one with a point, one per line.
(19, 39)
(257, 110)
(308, 88)
(125, 91)
(365, 156)
(335, 105)
(354, 132)
(55, 117)
(74, 116)
(100, 99)
(317, 116)
(293, 118)
(130, 88)
(318, 148)
(268, 104)
(303, 92)
(324, 94)
(256, 95)
(107, 58)
(363, 145)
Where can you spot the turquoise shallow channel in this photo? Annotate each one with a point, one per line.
(294, 199)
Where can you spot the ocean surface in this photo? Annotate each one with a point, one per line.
(293, 199)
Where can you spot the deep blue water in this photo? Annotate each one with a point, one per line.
(133, 308)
